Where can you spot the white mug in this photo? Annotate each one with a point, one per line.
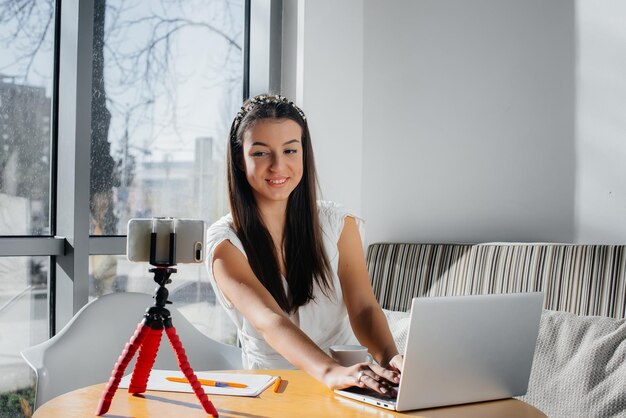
(348, 355)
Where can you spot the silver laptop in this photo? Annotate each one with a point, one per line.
(464, 349)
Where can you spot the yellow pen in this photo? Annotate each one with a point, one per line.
(277, 384)
(206, 382)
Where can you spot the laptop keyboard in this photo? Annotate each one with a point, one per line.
(391, 396)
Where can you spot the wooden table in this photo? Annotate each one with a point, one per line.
(299, 396)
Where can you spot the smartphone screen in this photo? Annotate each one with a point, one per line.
(189, 239)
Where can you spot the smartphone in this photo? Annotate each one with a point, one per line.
(188, 240)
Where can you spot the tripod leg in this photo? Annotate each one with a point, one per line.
(183, 363)
(145, 360)
(118, 370)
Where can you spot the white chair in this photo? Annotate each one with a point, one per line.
(84, 352)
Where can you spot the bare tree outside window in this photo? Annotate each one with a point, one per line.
(152, 60)
(156, 65)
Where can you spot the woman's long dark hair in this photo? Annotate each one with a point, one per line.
(305, 260)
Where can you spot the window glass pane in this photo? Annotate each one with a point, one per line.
(26, 70)
(168, 77)
(23, 322)
(190, 291)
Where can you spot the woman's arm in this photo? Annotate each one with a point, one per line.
(241, 287)
(366, 317)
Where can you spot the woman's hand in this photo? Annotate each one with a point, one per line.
(396, 363)
(364, 375)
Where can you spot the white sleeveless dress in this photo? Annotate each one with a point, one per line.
(324, 320)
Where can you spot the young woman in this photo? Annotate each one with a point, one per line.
(290, 270)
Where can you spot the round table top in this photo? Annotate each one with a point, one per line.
(299, 395)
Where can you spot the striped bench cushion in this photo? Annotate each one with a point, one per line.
(581, 279)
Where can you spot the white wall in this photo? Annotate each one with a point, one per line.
(324, 51)
(482, 120)
(601, 122)
(469, 120)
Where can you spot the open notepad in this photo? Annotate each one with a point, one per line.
(257, 383)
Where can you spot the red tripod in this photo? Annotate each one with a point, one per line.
(147, 338)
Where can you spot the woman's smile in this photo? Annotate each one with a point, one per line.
(277, 182)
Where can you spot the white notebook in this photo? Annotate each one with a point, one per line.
(257, 383)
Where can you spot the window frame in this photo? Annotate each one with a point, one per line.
(70, 245)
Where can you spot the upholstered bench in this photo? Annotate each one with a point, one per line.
(579, 368)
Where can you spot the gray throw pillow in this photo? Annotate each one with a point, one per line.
(399, 327)
(579, 369)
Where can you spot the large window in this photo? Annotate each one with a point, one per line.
(121, 114)
(26, 92)
(167, 78)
